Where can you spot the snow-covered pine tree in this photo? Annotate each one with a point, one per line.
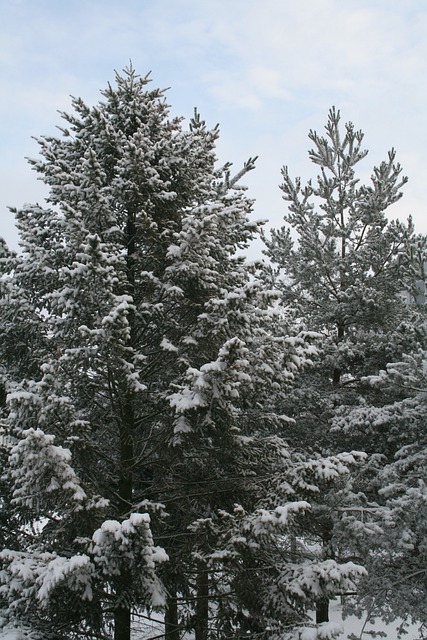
(20, 352)
(345, 277)
(149, 401)
(396, 584)
(20, 339)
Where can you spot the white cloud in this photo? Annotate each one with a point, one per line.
(267, 71)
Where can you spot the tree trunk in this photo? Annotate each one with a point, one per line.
(322, 606)
(171, 618)
(122, 615)
(322, 611)
(122, 623)
(202, 605)
(126, 458)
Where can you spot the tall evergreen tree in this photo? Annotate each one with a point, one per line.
(147, 408)
(344, 277)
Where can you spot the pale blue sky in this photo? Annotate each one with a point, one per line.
(267, 71)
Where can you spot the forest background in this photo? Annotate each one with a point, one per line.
(265, 424)
(355, 308)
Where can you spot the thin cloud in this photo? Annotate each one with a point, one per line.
(268, 72)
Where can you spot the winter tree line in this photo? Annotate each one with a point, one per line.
(224, 444)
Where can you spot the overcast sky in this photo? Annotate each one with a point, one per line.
(266, 70)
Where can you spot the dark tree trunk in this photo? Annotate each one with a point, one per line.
(322, 606)
(126, 458)
(122, 615)
(202, 605)
(171, 618)
(122, 623)
(322, 611)
(336, 376)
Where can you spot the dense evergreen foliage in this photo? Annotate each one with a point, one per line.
(354, 276)
(184, 430)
